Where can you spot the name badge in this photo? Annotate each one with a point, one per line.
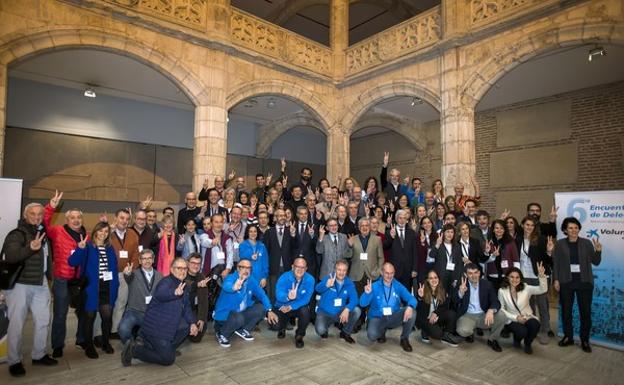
(72, 252)
(123, 253)
(387, 310)
(140, 248)
(575, 268)
(148, 299)
(220, 255)
(363, 256)
(450, 266)
(196, 300)
(338, 302)
(517, 265)
(236, 245)
(430, 260)
(318, 297)
(504, 264)
(108, 276)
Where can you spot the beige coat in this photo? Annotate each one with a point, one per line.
(372, 265)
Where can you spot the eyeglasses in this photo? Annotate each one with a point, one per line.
(300, 267)
(180, 268)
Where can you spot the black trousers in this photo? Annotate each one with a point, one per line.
(106, 314)
(447, 319)
(303, 314)
(527, 331)
(583, 292)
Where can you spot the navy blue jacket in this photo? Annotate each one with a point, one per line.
(488, 298)
(166, 310)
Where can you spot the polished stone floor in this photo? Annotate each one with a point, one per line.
(270, 361)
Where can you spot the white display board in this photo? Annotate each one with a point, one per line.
(11, 193)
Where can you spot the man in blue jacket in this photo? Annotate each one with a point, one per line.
(237, 310)
(338, 303)
(168, 321)
(384, 297)
(293, 292)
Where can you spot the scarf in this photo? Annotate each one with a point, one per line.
(75, 234)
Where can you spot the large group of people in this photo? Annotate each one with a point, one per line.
(387, 254)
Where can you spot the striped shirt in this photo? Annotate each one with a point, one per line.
(103, 261)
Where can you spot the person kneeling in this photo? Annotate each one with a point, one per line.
(384, 297)
(514, 296)
(338, 303)
(434, 317)
(168, 321)
(236, 311)
(293, 293)
(479, 308)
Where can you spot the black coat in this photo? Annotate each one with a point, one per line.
(403, 257)
(422, 310)
(306, 248)
(347, 228)
(277, 253)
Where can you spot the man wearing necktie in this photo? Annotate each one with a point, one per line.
(332, 247)
(401, 241)
(306, 237)
(281, 242)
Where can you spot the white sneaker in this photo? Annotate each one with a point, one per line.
(222, 340)
(244, 334)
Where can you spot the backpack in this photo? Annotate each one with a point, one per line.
(10, 272)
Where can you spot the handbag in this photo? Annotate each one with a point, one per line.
(10, 272)
(76, 287)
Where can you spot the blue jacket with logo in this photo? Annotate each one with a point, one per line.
(230, 300)
(383, 296)
(259, 267)
(346, 292)
(305, 288)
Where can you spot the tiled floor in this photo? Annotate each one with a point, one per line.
(332, 361)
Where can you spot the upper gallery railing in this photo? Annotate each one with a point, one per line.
(411, 35)
(483, 12)
(269, 39)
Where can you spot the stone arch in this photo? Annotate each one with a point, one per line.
(271, 131)
(289, 90)
(22, 45)
(401, 126)
(402, 87)
(575, 33)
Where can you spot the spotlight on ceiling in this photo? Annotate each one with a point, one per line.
(596, 51)
(416, 101)
(251, 103)
(89, 92)
(271, 103)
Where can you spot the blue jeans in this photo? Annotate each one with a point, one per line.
(324, 320)
(131, 319)
(377, 326)
(246, 319)
(159, 351)
(60, 307)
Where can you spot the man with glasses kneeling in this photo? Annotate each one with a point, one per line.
(293, 293)
(168, 320)
(236, 311)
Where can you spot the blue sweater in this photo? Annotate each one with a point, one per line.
(230, 300)
(305, 289)
(347, 294)
(89, 261)
(381, 296)
(259, 267)
(166, 311)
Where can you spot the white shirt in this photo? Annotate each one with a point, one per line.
(525, 262)
(120, 234)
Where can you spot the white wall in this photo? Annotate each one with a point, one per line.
(54, 108)
(59, 109)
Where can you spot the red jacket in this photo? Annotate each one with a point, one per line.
(62, 245)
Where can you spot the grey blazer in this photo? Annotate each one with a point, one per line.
(372, 265)
(587, 257)
(331, 253)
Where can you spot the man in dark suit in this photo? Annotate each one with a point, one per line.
(401, 241)
(281, 242)
(479, 308)
(392, 186)
(306, 241)
(345, 226)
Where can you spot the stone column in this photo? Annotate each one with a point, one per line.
(338, 142)
(457, 128)
(339, 34)
(3, 101)
(210, 144)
